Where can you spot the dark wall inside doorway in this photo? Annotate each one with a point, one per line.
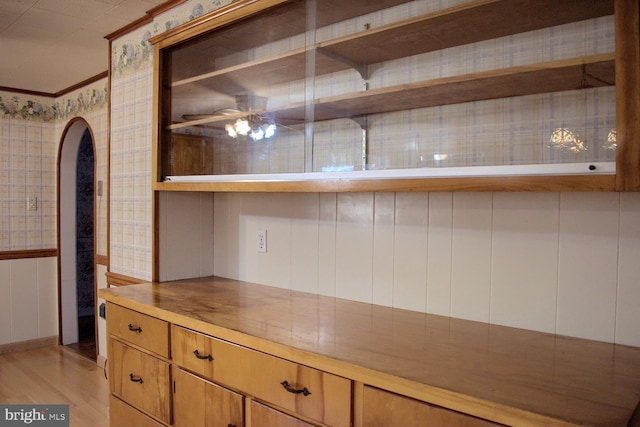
(84, 235)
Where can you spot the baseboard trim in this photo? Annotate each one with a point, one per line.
(28, 345)
(101, 361)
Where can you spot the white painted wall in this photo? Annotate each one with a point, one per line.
(564, 263)
(67, 249)
(101, 283)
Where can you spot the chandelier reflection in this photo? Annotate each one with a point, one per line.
(255, 126)
(612, 140)
(564, 139)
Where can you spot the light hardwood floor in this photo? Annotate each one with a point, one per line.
(56, 375)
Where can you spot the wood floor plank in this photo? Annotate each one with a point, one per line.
(56, 375)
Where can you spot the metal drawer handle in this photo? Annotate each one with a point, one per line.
(134, 329)
(290, 389)
(202, 356)
(135, 379)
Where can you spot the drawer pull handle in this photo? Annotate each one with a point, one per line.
(304, 391)
(135, 379)
(134, 329)
(202, 356)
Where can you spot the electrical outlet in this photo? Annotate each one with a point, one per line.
(32, 203)
(262, 241)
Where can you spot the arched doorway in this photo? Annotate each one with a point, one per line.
(76, 224)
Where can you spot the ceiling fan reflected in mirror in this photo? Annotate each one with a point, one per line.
(250, 119)
(255, 125)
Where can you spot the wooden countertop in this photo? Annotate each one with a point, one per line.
(508, 375)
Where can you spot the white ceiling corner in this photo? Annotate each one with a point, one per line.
(51, 45)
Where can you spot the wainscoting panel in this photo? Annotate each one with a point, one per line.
(564, 263)
(29, 308)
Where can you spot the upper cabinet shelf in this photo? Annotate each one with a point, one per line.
(546, 77)
(472, 22)
(284, 20)
(363, 61)
(467, 23)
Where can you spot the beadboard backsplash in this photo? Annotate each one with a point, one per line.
(564, 263)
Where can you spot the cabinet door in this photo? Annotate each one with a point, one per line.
(140, 380)
(263, 416)
(384, 409)
(121, 414)
(197, 402)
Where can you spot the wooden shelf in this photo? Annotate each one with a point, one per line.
(531, 79)
(471, 22)
(448, 184)
(289, 66)
(280, 22)
(459, 25)
(507, 82)
(474, 21)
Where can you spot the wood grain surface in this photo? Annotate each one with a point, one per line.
(499, 373)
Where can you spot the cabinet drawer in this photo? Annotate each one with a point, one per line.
(121, 414)
(384, 409)
(312, 393)
(193, 351)
(263, 416)
(140, 380)
(200, 403)
(139, 329)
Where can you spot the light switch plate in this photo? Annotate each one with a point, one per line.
(32, 203)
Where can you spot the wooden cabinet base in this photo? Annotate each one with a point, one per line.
(263, 416)
(312, 393)
(365, 365)
(121, 414)
(200, 403)
(384, 409)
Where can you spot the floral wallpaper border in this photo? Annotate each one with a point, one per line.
(83, 102)
(127, 57)
(134, 54)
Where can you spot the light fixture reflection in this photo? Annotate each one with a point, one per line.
(270, 130)
(612, 140)
(257, 134)
(564, 139)
(256, 126)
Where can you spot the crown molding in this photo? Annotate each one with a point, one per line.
(148, 18)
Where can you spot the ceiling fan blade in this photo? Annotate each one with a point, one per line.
(221, 112)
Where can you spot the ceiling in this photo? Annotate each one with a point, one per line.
(51, 45)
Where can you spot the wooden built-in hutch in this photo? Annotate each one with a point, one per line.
(342, 92)
(386, 95)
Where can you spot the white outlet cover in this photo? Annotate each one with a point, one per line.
(261, 241)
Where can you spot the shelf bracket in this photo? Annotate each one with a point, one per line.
(362, 69)
(363, 122)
